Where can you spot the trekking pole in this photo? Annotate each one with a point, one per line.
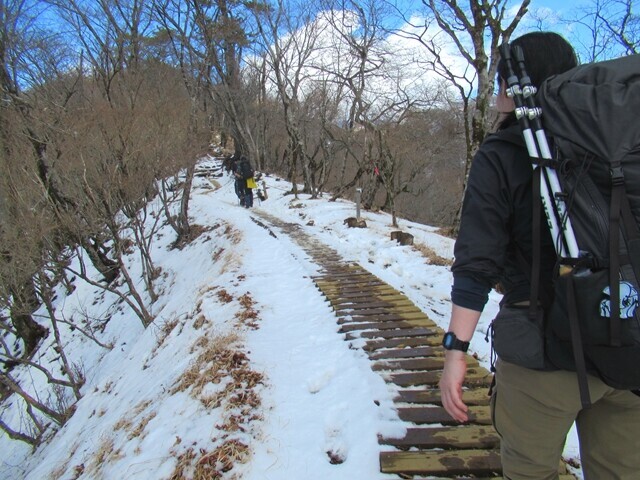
(521, 90)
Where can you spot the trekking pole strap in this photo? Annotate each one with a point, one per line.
(534, 281)
(632, 232)
(576, 343)
(617, 192)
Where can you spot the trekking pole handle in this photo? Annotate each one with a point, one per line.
(514, 92)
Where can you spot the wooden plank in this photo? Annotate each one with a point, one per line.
(459, 437)
(345, 276)
(419, 315)
(462, 475)
(355, 297)
(353, 327)
(331, 285)
(454, 462)
(479, 414)
(475, 377)
(567, 476)
(372, 345)
(337, 289)
(374, 304)
(377, 312)
(393, 353)
(389, 300)
(358, 291)
(473, 396)
(398, 333)
(428, 363)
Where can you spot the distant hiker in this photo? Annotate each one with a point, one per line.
(534, 403)
(238, 183)
(244, 174)
(229, 164)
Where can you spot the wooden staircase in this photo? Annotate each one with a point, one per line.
(403, 344)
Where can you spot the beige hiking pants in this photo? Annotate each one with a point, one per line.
(533, 411)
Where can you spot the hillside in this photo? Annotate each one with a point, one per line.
(243, 371)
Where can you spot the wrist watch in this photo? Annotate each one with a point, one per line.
(451, 342)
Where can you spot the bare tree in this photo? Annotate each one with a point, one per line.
(180, 33)
(219, 37)
(605, 29)
(476, 31)
(288, 59)
(380, 99)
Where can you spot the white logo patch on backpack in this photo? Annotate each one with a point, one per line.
(628, 301)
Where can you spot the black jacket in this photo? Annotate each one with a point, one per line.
(496, 224)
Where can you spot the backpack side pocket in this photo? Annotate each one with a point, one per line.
(517, 339)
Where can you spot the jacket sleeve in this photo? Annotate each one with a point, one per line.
(483, 239)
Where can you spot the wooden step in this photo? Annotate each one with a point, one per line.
(458, 437)
(404, 342)
(445, 463)
(396, 353)
(430, 414)
(427, 363)
(374, 305)
(475, 377)
(474, 396)
(388, 316)
(397, 333)
(354, 293)
(403, 324)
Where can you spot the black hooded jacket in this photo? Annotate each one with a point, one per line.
(494, 244)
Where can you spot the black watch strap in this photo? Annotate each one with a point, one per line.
(451, 342)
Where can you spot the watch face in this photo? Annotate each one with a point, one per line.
(448, 339)
(451, 342)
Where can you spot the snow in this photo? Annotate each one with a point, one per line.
(243, 286)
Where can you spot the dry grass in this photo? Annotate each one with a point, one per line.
(217, 254)
(126, 423)
(449, 232)
(165, 330)
(219, 377)
(210, 465)
(139, 430)
(141, 407)
(224, 296)
(212, 364)
(185, 460)
(221, 460)
(220, 362)
(123, 424)
(194, 232)
(200, 321)
(248, 315)
(105, 452)
(432, 256)
(234, 235)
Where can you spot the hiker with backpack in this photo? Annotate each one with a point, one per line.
(504, 240)
(244, 176)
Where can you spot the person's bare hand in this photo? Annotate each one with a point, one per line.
(455, 368)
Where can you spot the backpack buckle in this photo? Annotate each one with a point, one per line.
(617, 175)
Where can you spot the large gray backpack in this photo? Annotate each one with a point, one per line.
(591, 115)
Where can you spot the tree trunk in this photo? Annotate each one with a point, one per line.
(183, 216)
(24, 304)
